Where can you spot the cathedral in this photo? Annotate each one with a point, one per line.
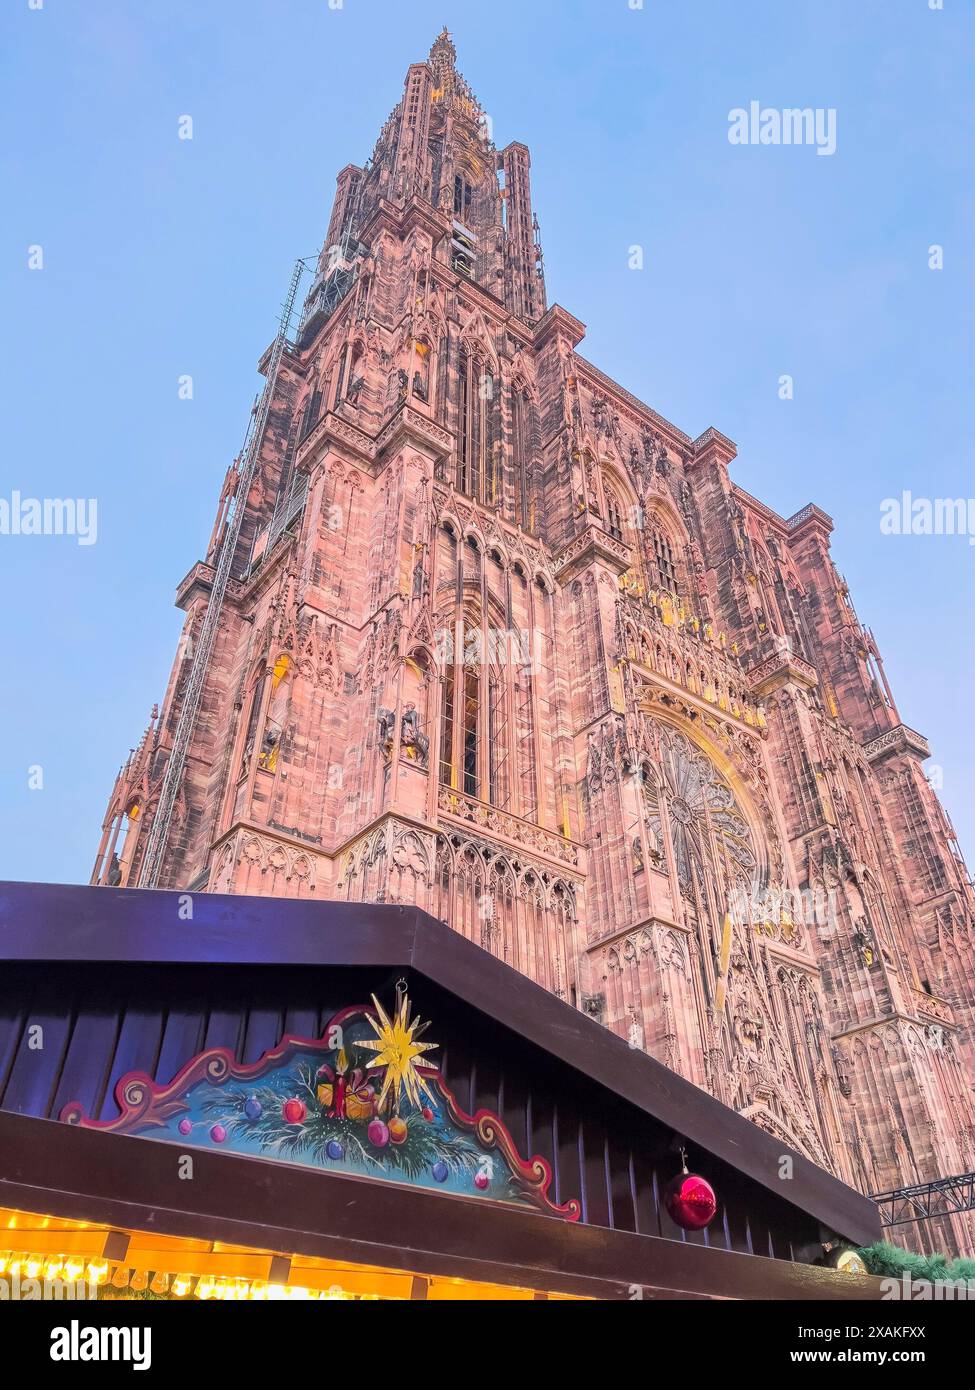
(492, 637)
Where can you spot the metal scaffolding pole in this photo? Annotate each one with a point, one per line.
(203, 646)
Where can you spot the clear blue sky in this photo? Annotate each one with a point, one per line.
(164, 257)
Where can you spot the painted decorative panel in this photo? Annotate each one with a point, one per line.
(361, 1100)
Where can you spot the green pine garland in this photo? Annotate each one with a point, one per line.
(889, 1261)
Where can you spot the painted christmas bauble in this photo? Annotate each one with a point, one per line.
(427, 1113)
(185, 1126)
(218, 1134)
(440, 1171)
(482, 1182)
(294, 1111)
(397, 1130)
(253, 1108)
(378, 1133)
(690, 1201)
(334, 1149)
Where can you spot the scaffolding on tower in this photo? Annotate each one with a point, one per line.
(247, 465)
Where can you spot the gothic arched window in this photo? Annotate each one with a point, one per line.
(664, 564)
(523, 448)
(480, 456)
(475, 708)
(614, 514)
(466, 421)
(253, 719)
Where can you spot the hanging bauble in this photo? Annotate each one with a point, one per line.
(427, 1113)
(253, 1108)
(294, 1111)
(440, 1172)
(218, 1134)
(186, 1126)
(481, 1180)
(397, 1130)
(378, 1133)
(690, 1200)
(334, 1149)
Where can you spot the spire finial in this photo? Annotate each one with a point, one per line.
(443, 54)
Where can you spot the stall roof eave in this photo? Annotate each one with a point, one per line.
(66, 923)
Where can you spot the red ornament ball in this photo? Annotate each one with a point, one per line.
(481, 1181)
(294, 1111)
(427, 1113)
(378, 1133)
(690, 1201)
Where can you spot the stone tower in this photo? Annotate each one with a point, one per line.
(503, 642)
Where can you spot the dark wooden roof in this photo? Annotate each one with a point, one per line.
(110, 970)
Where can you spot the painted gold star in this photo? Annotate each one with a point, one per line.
(397, 1048)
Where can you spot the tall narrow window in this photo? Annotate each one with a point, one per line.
(472, 708)
(462, 197)
(257, 701)
(447, 775)
(663, 559)
(491, 443)
(464, 425)
(477, 741)
(312, 409)
(498, 741)
(447, 568)
(614, 515)
(475, 428)
(524, 706)
(518, 455)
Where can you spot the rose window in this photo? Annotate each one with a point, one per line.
(705, 819)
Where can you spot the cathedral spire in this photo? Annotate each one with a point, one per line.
(438, 148)
(448, 82)
(443, 55)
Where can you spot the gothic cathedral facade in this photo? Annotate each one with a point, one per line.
(501, 642)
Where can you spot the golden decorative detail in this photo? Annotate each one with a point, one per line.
(397, 1050)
